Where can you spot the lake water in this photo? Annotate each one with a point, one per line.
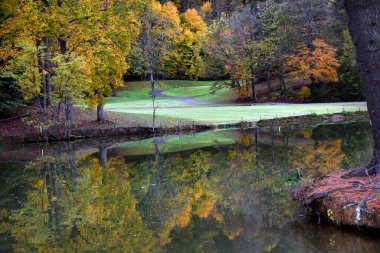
(221, 191)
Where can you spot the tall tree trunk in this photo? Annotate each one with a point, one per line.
(100, 110)
(269, 82)
(253, 84)
(283, 88)
(254, 97)
(71, 162)
(41, 67)
(364, 26)
(69, 114)
(153, 92)
(48, 69)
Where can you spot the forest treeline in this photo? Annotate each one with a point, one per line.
(61, 53)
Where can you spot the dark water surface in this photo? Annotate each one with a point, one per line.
(223, 191)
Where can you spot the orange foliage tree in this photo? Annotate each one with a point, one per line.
(319, 64)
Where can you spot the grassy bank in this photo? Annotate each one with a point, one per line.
(220, 115)
(134, 102)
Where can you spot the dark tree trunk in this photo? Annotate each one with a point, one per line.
(364, 26)
(71, 162)
(48, 69)
(100, 112)
(69, 116)
(253, 84)
(69, 113)
(100, 109)
(283, 88)
(254, 97)
(269, 82)
(153, 92)
(41, 67)
(103, 155)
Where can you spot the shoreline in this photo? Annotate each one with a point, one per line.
(342, 202)
(313, 119)
(28, 134)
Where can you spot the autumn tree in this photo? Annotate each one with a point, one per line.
(192, 37)
(154, 42)
(221, 44)
(251, 29)
(319, 65)
(270, 58)
(68, 57)
(105, 40)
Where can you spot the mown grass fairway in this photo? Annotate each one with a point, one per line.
(138, 103)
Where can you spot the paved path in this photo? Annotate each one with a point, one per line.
(160, 93)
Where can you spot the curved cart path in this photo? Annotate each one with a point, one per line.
(160, 93)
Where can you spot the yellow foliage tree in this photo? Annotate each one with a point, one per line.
(192, 37)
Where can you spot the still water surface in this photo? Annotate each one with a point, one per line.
(222, 191)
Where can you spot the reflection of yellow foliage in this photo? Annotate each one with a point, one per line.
(218, 217)
(307, 133)
(104, 217)
(241, 159)
(38, 183)
(233, 234)
(246, 139)
(269, 246)
(323, 157)
(183, 219)
(206, 206)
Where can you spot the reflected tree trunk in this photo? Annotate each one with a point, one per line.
(103, 155)
(53, 192)
(286, 146)
(272, 144)
(71, 162)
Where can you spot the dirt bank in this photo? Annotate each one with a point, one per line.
(33, 126)
(313, 120)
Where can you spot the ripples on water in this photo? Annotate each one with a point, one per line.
(222, 191)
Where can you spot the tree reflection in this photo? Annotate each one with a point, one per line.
(233, 198)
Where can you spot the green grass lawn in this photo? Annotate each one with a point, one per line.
(235, 114)
(135, 103)
(202, 93)
(136, 94)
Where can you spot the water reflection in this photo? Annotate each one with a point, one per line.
(223, 191)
